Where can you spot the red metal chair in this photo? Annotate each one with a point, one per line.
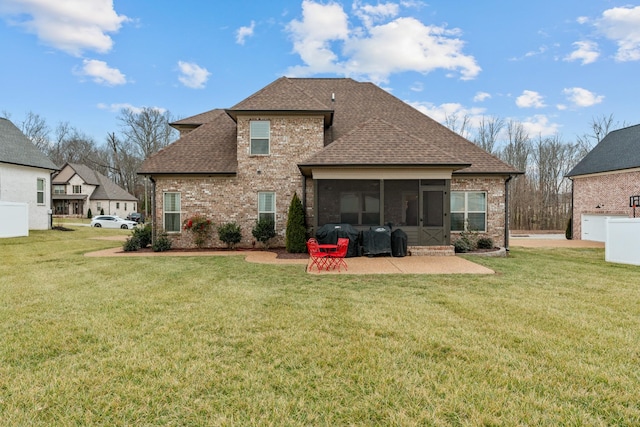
(318, 257)
(340, 253)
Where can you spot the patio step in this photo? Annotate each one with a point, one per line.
(431, 250)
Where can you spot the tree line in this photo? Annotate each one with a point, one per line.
(541, 198)
(141, 133)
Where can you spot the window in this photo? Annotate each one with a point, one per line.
(117, 205)
(125, 206)
(468, 211)
(40, 192)
(260, 135)
(267, 206)
(59, 189)
(172, 212)
(77, 189)
(360, 208)
(99, 205)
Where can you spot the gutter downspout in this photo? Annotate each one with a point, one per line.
(506, 213)
(154, 224)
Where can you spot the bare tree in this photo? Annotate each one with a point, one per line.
(36, 129)
(600, 127)
(148, 130)
(457, 124)
(72, 146)
(488, 133)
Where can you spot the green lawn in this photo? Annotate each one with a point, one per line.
(552, 339)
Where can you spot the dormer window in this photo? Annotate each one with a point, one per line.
(260, 136)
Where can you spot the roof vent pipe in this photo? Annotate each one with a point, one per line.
(333, 97)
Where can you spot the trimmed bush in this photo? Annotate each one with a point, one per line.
(568, 233)
(264, 230)
(230, 234)
(143, 234)
(485, 243)
(131, 244)
(296, 233)
(102, 211)
(162, 243)
(89, 214)
(463, 245)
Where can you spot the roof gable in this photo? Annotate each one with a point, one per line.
(619, 149)
(105, 189)
(17, 149)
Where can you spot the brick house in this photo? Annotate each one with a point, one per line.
(604, 181)
(351, 151)
(78, 188)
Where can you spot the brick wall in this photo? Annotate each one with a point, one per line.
(235, 199)
(610, 191)
(494, 187)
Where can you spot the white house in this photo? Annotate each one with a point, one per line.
(25, 175)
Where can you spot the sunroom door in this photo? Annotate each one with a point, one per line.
(434, 223)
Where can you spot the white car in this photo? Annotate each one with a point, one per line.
(112, 221)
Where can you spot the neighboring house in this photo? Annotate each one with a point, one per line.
(351, 151)
(25, 175)
(78, 188)
(604, 181)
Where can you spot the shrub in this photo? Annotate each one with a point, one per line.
(101, 211)
(264, 230)
(485, 243)
(162, 243)
(143, 234)
(462, 245)
(89, 214)
(568, 233)
(131, 244)
(296, 233)
(200, 227)
(230, 234)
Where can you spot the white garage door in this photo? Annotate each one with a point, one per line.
(594, 227)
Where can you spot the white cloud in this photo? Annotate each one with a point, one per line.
(586, 51)
(417, 87)
(622, 25)
(481, 96)
(449, 111)
(582, 19)
(530, 99)
(539, 125)
(244, 32)
(378, 49)
(73, 26)
(116, 108)
(101, 73)
(580, 97)
(193, 75)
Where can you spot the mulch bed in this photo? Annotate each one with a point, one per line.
(281, 252)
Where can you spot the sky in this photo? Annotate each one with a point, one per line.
(553, 66)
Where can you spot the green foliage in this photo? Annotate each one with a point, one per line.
(467, 242)
(131, 244)
(230, 234)
(143, 234)
(101, 211)
(485, 243)
(568, 233)
(200, 226)
(296, 233)
(264, 230)
(89, 214)
(162, 243)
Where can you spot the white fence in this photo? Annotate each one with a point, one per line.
(14, 219)
(622, 244)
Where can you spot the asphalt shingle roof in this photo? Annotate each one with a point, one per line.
(398, 135)
(618, 150)
(105, 188)
(17, 149)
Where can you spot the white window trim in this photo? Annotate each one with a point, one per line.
(43, 191)
(265, 211)
(466, 211)
(251, 153)
(165, 211)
